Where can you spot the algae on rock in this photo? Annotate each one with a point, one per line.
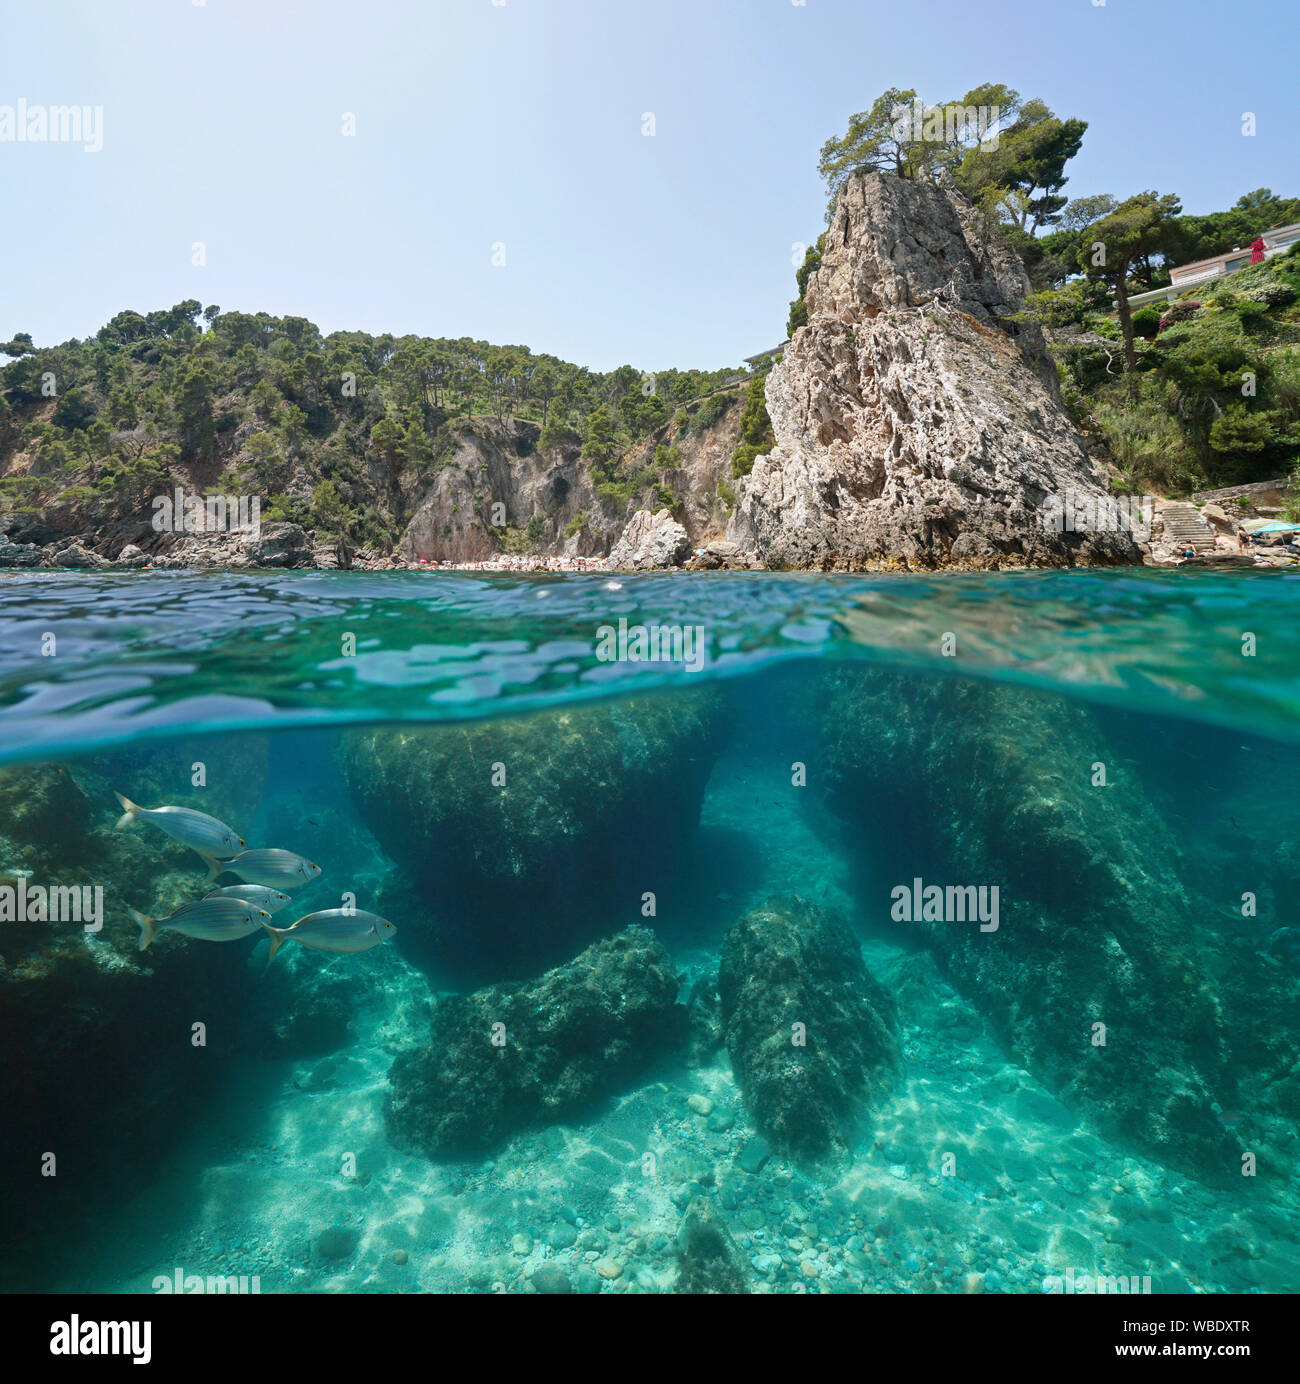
(513, 1056)
(707, 1258)
(521, 839)
(812, 1036)
(961, 783)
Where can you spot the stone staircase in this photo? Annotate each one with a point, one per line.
(1184, 528)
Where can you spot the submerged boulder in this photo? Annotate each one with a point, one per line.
(516, 840)
(99, 1032)
(811, 1035)
(1094, 976)
(513, 1056)
(707, 1258)
(916, 421)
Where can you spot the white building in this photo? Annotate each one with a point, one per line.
(1276, 242)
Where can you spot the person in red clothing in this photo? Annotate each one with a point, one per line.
(1257, 251)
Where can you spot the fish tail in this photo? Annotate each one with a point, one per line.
(128, 814)
(276, 937)
(215, 867)
(148, 927)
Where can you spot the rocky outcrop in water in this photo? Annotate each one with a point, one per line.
(514, 1056)
(916, 423)
(811, 1035)
(518, 840)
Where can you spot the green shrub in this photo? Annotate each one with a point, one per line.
(711, 410)
(742, 462)
(1237, 429)
(1272, 295)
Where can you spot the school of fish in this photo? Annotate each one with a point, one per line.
(239, 910)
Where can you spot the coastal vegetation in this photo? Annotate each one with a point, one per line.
(328, 429)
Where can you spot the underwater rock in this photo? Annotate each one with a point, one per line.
(967, 784)
(551, 1279)
(121, 1054)
(707, 1258)
(337, 1242)
(519, 840)
(792, 963)
(704, 1021)
(513, 1056)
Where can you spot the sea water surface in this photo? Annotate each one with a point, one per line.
(1103, 1085)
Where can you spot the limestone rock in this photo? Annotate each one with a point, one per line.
(916, 423)
(19, 554)
(651, 541)
(131, 557)
(723, 556)
(75, 555)
(279, 545)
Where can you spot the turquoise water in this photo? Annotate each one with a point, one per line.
(542, 1083)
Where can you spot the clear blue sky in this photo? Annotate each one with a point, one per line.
(521, 123)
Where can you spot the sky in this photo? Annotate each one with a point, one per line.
(500, 183)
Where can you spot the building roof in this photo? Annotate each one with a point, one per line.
(763, 355)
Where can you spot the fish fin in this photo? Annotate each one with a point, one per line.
(148, 927)
(128, 814)
(215, 866)
(276, 938)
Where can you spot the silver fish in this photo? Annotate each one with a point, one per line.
(334, 930)
(267, 865)
(196, 830)
(270, 899)
(208, 920)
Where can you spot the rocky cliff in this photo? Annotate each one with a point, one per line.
(499, 488)
(916, 422)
